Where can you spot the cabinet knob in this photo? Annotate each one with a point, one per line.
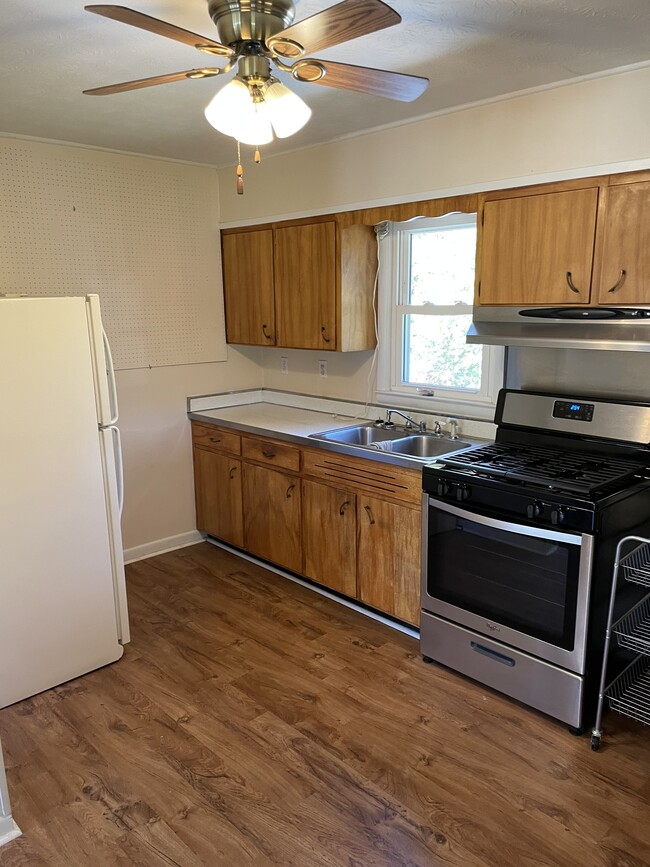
(215, 439)
(369, 514)
(619, 282)
(572, 285)
(268, 453)
(322, 334)
(344, 507)
(289, 489)
(233, 472)
(265, 332)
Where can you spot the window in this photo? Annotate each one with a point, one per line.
(426, 288)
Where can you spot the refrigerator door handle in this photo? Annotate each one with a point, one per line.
(119, 463)
(112, 386)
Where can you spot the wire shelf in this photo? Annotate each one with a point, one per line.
(629, 694)
(633, 630)
(635, 566)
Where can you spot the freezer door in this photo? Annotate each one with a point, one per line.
(57, 613)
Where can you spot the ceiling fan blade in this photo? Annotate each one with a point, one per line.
(150, 82)
(161, 28)
(379, 82)
(346, 20)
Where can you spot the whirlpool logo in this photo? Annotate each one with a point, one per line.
(492, 626)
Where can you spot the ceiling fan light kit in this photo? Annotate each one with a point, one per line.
(257, 33)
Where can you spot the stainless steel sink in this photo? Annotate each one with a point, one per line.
(398, 442)
(427, 445)
(360, 435)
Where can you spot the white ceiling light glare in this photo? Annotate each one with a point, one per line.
(233, 112)
(287, 112)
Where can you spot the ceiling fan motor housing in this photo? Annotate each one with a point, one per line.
(250, 20)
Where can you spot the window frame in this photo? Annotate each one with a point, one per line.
(392, 291)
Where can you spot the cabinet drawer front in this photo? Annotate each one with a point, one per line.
(216, 439)
(365, 477)
(271, 452)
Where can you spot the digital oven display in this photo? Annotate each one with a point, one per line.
(574, 410)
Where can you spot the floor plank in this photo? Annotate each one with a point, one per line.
(253, 723)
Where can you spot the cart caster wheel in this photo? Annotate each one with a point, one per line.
(427, 659)
(576, 732)
(595, 742)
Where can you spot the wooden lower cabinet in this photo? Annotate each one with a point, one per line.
(218, 489)
(388, 558)
(272, 518)
(330, 537)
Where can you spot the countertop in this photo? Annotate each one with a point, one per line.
(296, 425)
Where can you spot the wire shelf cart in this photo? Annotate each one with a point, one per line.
(629, 693)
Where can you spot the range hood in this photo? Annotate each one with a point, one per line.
(624, 329)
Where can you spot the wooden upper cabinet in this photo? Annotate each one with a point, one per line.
(622, 274)
(248, 287)
(305, 286)
(537, 249)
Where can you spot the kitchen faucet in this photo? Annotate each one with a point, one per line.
(409, 422)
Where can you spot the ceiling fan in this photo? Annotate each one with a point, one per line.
(258, 33)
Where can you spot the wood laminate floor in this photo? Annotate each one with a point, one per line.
(253, 722)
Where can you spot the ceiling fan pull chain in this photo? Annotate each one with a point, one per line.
(258, 158)
(240, 172)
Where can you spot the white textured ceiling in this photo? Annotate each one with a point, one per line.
(50, 50)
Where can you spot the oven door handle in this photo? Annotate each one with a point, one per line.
(507, 526)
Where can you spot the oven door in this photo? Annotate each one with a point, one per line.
(527, 587)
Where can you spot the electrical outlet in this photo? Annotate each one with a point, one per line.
(322, 368)
(284, 364)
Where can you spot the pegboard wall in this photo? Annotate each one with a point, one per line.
(142, 234)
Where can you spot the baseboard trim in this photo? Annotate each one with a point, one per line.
(8, 830)
(162, 546)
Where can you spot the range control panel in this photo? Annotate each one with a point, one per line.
(573, 409)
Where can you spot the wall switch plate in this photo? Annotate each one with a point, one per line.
(284, 364)
(322, 368)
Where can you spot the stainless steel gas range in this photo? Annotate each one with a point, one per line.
(518, 546)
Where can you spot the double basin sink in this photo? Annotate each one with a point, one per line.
(397, 441)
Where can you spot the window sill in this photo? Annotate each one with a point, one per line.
(438, 405)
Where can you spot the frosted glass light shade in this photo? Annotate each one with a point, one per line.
(287, 112)
(233, 112)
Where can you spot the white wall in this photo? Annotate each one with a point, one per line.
(592, 126)
(75, 220)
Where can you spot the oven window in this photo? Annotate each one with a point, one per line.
(528, 584)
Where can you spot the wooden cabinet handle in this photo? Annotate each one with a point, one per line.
(289, 489)
(619, 282)
(322, 334)
(343, 508)
(264, 332)
(268, 453)
(233, 472)
(572, 285)
(369, 513)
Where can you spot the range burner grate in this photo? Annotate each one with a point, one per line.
(576, 472)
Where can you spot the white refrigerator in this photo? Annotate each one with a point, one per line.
(63, 609)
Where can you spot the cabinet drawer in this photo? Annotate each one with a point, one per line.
(271, 452)
(216, 439)
(365, 477)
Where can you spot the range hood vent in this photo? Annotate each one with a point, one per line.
(625, 329)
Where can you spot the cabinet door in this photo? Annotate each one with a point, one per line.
(272, 516)
(538, 249)
(625, 266)
(218, 491)
(388, 558)
(305, 286)
(248, 287)
(330, 537)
